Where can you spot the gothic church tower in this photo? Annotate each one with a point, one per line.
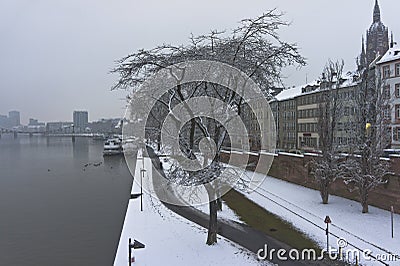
(377, 38)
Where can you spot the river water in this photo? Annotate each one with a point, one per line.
(54, 210)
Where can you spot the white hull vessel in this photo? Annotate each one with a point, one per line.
(113, 146)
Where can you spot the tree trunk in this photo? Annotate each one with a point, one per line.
(212, 225)
(364, 201)
(219, 207)
(365, 207)
(324, 191)
(325, 197)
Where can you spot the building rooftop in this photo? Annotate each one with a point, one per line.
(347, 80)
(392, 54)
(289, 93)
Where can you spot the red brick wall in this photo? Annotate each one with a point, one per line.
(295, 169)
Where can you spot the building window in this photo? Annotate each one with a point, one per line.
(347, 111)
(396, 133)
(397, 90)
(309, 142)
(397, 67)
(397, 111)
(386, 71)
(386, 112)
(386, 92)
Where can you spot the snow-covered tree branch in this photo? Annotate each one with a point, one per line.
(254, 48)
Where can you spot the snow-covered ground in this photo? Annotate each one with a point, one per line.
(374, 228)
(171, 239)
(226, 213)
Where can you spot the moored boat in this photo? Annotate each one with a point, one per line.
(113, 146)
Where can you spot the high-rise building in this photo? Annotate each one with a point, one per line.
(4, 121)
(14, 118)
(377, 42)
(81, 120)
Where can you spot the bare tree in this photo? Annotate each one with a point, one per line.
(326, 167)
(365, 169)
(254, 47)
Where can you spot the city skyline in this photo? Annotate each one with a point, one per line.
(31, 121)
(66, 50)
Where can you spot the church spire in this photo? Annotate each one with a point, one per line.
(362, 45)
(363, 57)
(377, 12)
(377, 37)
(391, 45)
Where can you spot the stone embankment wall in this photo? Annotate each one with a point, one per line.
(295, 169)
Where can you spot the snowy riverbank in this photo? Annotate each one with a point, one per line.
(171, 239)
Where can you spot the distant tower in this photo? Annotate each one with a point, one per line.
(80, 120)
(363, 57)
(14, 118)
(377, 37)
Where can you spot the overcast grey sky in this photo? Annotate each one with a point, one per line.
(56, 54)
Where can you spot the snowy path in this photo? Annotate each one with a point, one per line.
(170, 239)
(373, 228)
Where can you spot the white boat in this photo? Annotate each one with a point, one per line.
(113, 146)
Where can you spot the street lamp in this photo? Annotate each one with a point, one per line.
(142, 171)
(73, 133)
(135, 196)
(327, 221)
(368, 128)
(135, 245)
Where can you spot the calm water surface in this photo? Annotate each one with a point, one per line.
(53, 209)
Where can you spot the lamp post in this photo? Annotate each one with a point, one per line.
(73, 133)
(391, 218)
(142, 171)
(327, 221)
(135, 245)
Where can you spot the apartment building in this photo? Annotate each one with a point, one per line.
(284, 111)
(296, 111)
(389, 67)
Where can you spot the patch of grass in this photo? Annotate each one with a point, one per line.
(260, 219)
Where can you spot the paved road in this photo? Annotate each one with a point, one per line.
(241, 234)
